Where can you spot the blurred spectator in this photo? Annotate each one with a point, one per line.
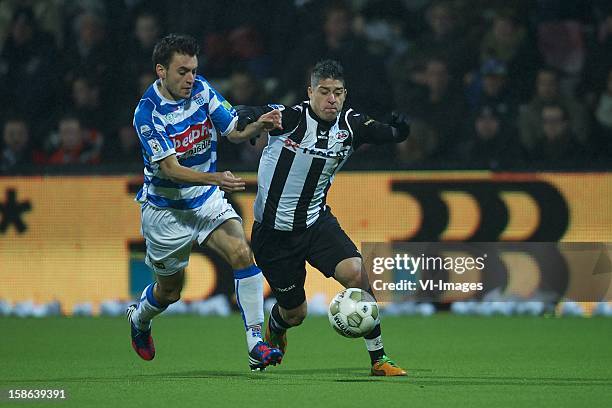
(364, 74)
(561, 34)
(436, 103)
(445, 40)
(123, 147)
(603, 119)
(381, 23)
(72, 144)
(599, 59)
(47, 13)
(243, 45)
(90, 51)
(244, 89)
(507, 41)
(547, 92)
(490, 88)
(27, 74)
(147, 30)
(422, 144)
(16, 149)
(489, 143)
(557, 147)
(86, 104)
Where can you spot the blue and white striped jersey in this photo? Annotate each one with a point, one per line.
(187, 128)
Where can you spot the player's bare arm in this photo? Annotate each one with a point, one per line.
(265, 123)
(180, 174)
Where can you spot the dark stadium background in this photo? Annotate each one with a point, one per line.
(433, 59)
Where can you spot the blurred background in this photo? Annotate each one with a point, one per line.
(520, 90)
(490, 84)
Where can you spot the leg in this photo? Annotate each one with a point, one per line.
(168, 289)
(167, 255)
(157, 296)
(293, 317)
(351, 273)
(228, 241)
(154, 300)
(334, 254)
(282, 258)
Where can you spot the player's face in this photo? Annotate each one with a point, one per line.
(327, 98)
(178, 78)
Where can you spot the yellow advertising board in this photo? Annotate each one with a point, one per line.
(77, 239)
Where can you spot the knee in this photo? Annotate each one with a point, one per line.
(170, 295)
(355, 281)
(241, 257)
(353, 278)
(350, 274)
(295, 317)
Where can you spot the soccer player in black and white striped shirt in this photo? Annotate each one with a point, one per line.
(293, 224)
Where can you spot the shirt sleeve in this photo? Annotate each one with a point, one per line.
(290, 117)
(152, 135)
(370, 131)
(221, 112)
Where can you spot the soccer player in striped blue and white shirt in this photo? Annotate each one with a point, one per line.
(178, 121)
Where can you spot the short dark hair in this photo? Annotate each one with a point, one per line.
(326, 69)
(174, 43)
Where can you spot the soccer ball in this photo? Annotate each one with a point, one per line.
(353, 313)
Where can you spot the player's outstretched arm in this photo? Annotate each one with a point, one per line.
(180, 174)
(396, 130)
(264, 123)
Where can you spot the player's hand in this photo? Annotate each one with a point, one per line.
(271, 120)
(229, 183)
(268, 121)
(401, 122)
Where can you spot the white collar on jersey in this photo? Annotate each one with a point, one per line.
(163, 98)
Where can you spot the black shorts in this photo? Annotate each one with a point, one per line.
(282, 255)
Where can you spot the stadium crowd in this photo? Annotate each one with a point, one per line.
(489, 84)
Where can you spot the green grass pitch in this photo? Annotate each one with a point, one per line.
(452, 361)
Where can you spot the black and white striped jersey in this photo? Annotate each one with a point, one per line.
(299, 163)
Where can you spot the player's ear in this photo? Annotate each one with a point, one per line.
(310, 92)
(161, 71)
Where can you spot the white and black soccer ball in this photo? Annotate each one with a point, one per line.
(353, 313)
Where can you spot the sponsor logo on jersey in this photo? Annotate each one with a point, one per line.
(192, 136)
(341, 135)
(329, 154)
(221, 214)
(146, 131)
(170, 117)
(155, 146)
(286, 289)
(199, 99)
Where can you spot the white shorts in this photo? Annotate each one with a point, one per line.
(169, 233)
